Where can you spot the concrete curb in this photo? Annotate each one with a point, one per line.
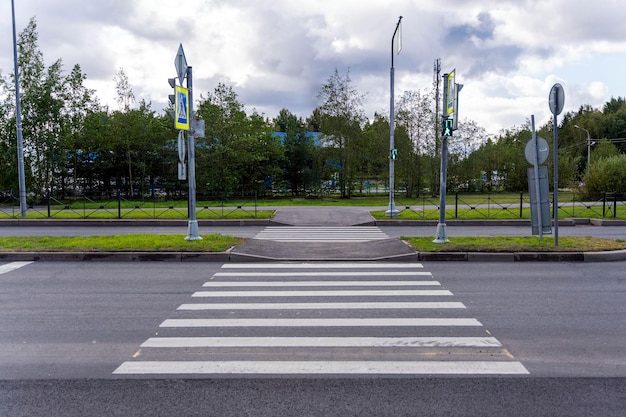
(230, 256)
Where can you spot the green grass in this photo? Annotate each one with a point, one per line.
(221, 243)
(229, 213)
(118, 243)
(515, 244)
(495, 213)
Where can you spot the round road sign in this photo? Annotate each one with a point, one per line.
(557, 99)
(530, 152)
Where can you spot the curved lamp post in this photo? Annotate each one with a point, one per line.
(392, 211)
(588, 145)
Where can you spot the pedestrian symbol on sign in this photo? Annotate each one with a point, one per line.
(182, 108)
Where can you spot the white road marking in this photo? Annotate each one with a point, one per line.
(321, 234)
(215, 284)
(353, 293)
(332, 322)
(324, 367)
(322, 306)
(323, 274)
(327, 265)
(12, 266)
(249, 342)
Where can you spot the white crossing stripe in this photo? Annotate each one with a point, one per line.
(321, 234)
(390, 342)
(12, 266)
(332, 322)
(396, 344)
(324, 367)
(352, 293)
(326, 265)
(325, 274)
(323, 306)
(220, 284)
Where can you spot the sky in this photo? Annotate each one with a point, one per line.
(277, 54)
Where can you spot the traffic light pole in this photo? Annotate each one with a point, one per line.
(442, 236)
(192, 228)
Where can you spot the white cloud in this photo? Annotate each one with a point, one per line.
(508, 53)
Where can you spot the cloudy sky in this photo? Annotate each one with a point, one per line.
(277, 54)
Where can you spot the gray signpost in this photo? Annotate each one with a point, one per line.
(556, 102)
(184, 71)
(536, 153)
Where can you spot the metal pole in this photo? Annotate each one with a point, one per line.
(442, 236)
(536, 170)
(556, 181)
(392, 211)
(588, 151)
(18, 122)
(192, 229)
(588, 145)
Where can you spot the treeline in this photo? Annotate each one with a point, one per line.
(73, 145)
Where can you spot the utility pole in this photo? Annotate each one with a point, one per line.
(18, 123)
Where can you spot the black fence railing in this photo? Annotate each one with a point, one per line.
(246, 205)
(85, 207)
(499, 206)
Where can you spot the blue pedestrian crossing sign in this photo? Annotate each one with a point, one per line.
(181, 105)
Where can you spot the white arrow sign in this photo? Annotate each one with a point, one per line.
(180, 62)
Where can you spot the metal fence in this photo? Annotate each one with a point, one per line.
(243, 206)
(510, 206)
(240, 206)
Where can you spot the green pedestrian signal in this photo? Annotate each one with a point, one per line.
(448, 126)
(394, 154)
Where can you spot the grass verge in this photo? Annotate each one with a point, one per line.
(515, 244)
(118, 243)
(221, 243)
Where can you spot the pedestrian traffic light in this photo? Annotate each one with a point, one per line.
(448, 127)
(394, 154)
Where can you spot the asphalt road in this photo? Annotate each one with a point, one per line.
(65, 327)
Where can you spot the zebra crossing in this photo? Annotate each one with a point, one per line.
(270, 319)
(322, 234)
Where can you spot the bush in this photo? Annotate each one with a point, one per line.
(607, 175)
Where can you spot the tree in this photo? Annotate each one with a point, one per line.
(416, 117)
(238, 152)
(42, 105)
(125, 95)
(299, 151)
(341, 121)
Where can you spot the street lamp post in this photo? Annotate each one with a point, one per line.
(392, 211)
(588, 145)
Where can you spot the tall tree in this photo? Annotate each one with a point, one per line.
(299, 151)
(342, 118)
(239, 151)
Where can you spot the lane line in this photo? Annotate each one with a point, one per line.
(353, 293)
(324, 367)
(12, 266)
(322, 306)
(324, 322)
(214, 284)
(327, 265)
(249, 342)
